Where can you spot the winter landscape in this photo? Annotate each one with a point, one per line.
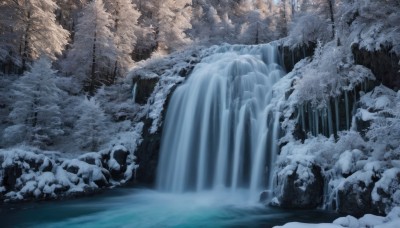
(202, 113)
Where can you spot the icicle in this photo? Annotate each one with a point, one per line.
(353, 107)
(337, 114)
(303, 120)
(316, 118)
(134, 92)
(323, 122)
(330, 124)
(293, 58)
(346, 101)
(310, 119)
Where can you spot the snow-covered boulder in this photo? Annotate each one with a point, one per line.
(386, 193)
(91, 175)
(354, 193)
(348, 161)
(299, 185)
(117, 162)
(26, 175)
(16, 162)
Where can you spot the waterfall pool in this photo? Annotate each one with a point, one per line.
(132, 207)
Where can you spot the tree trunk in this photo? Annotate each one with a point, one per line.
(330, 4)
(284, 18)
(26, 51)
(114, 75)
(93, 70)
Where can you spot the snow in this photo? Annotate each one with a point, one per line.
(305, 225)
(390, 221)
(371, 220)
(355, 178)
(387, 189)
(348, 221)
(347, 161)
(366, 116)
(391, 224)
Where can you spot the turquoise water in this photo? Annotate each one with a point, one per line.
(147, 208)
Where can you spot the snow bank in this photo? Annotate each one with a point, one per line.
(26, 175)
(392, 220)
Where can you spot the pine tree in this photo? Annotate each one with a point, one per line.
(173, 21)
(93, 52)
(36, 110)
(125, 18)
(30, 27)
(90, 129)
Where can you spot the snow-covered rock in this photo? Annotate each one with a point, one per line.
(392, 220)
(26, 175)
(354, 193)
(386, 192)
(299, 184)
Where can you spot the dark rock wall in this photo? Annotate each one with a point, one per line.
(297, 192)
(383, 63)
(144, 89)
(290, 56)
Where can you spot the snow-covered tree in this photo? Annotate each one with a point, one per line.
(146, 38)
(91, 128)
(173, 19)
(371, 24)
(67, 12)
(256, 28)
(126, 27)
(306, 28)
(36, 110)
(30, 27)
(93, 52)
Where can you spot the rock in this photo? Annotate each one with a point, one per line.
(147, 154)
(117, 164)
(291, 56)
(382, 63)
(299, 186)
(145, 88)
(386, 192)
(10, 176)
(148, 151)
(25, 175)
(89, 160)
(354, 194)
(72, 169)
(264, 196)
(104, 181)
(120, 156)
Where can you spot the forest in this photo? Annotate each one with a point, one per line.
(291, 104)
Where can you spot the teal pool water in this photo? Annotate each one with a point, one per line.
(129, 207)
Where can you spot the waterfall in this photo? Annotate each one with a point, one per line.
(220, 131)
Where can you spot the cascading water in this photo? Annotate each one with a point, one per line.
(220, 132)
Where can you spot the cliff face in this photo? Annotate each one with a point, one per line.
(365, 150)
(383, 63)
(291, 56)
(155, 85)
